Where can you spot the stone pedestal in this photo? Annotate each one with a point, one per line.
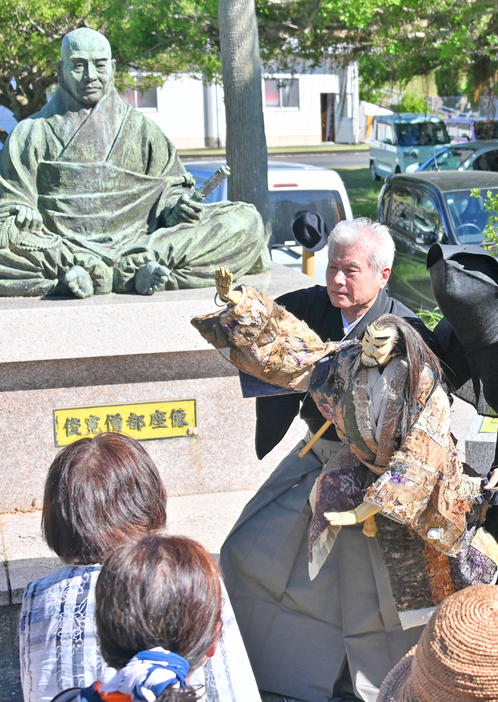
(127, 349)
(480, 446)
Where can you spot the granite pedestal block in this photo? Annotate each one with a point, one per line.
(480, 446)
(112, 349)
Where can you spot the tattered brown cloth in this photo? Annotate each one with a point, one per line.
(265, 340)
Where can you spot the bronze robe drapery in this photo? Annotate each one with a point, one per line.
(105, 181)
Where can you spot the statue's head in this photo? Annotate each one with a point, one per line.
(86, 69)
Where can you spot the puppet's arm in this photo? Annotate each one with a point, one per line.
(363, 513)
(353, 516)
(264, 339)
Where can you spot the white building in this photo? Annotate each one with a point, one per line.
(301, 109)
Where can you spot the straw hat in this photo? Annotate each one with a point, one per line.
(456, 658)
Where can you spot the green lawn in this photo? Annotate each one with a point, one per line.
(362, 190)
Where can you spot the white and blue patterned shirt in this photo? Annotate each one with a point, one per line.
(59, 648)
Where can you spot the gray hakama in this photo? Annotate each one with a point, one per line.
(346, 613)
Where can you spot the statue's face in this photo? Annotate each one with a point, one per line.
(87, 68)
(378, 346)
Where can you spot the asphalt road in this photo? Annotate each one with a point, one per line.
(339, 159)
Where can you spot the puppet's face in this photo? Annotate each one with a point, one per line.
(378, 346)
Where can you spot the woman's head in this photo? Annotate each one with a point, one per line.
(98, 493)
(158, 591)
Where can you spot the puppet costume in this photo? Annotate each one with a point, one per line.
(347, 613)
(432, 544)
(265, 340)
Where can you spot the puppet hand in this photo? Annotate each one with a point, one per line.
(341, 518)
(224, 280)
(490, 488)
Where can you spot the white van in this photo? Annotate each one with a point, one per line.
(404, 141)
(293, 187)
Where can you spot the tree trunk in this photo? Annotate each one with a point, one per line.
(28, 95)
(246, 150)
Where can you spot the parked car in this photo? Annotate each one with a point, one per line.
(398, 141)
(472, 156)
(293, 187)
(464, 129)
(422, 208)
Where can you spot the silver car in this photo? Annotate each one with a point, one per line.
(472, 156)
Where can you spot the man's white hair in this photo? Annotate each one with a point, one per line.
(373, 238)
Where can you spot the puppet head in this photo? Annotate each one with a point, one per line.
(405, 341)
(378, 345)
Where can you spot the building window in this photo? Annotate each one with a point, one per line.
(145, 100)
(282, 92)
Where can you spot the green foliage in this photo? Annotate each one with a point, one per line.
(413, 103)
(418, 37)
(162, 38)
(156, 39)
(449, 80)
(393, 41)
(430, 317)
(30, 36)
(491, 229)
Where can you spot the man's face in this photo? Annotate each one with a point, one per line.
(352, 285)
(377, 346)
(87, 71)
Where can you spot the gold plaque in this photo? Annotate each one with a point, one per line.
(489, 425)
(144, 421)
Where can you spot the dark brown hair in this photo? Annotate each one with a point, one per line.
(100, 491)
(159, 591)
(418, 356)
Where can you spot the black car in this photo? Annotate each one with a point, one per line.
(422, 208)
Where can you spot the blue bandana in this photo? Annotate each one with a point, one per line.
(146, 676)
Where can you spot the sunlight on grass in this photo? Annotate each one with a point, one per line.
(362, 190)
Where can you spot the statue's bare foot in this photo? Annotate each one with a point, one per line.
(79, 282)
(151, 278)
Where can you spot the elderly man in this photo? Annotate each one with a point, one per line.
(304, 637)
(93, 197)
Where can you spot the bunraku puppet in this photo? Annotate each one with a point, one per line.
(398, 470)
